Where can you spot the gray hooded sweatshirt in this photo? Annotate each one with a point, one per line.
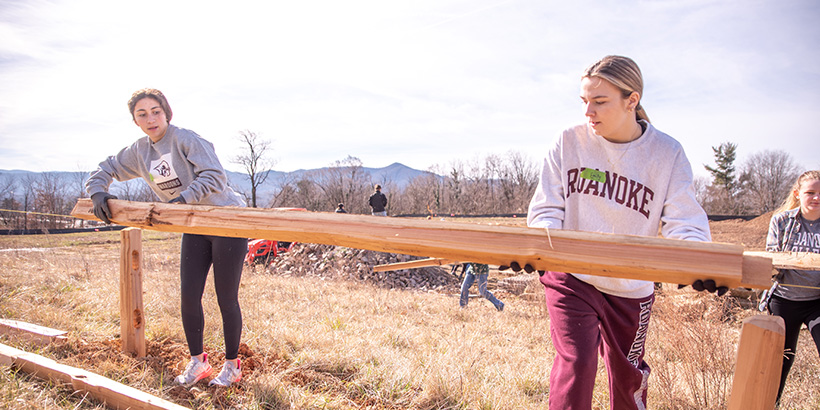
(181, 164)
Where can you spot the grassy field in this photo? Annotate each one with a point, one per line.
(314, 343)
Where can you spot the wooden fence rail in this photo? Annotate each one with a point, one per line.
(621, 256)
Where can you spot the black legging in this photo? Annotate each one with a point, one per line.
(795, 314)
(227, 255)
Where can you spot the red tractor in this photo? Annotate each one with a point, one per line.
(265, 250)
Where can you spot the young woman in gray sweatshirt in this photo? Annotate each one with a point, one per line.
(181, 167)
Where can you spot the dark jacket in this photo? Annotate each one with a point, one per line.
(378, 201)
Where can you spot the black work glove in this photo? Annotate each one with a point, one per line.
(707, 285)
(100, 208)
(516, 267)
(178, 200)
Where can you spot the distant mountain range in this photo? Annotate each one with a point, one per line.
(396, 174)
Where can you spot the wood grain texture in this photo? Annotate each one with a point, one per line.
(791, 260)
(39, 335)
(421, 263)
(115, 395)
(132, 318)
(619, 256)
(759, 360)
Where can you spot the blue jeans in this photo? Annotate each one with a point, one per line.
(469, 278)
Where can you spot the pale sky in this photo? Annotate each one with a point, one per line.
(420, 82)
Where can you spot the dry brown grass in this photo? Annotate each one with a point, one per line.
(312, 343)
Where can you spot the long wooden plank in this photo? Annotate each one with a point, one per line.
(791, 260)
(421, 263)
(113, 394)
(39, 335)
(620, 256)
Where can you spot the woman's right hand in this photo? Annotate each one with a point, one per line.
(100, 208)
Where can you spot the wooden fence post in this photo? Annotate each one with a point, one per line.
(132, 320)
(759, 362)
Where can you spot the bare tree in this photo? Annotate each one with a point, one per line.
(518, 178)
(422, 195)
(344, 182)
(27, 200)
(134, 190)
(8, 184)
(455, 194)
(51, 197)
(308, 194)
(767, 177)
(254, 159)
(78, 179)
(701, 185)
(286, 196)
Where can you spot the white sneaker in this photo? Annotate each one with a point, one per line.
(195, 371)
(230, 374)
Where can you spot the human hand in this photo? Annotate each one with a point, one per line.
(178, 200)
(100, 206)
(707, 285)
(516, 267)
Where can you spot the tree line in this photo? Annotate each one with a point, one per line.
(758, 185)
(493, 184)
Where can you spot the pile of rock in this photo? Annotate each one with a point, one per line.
(357, 264)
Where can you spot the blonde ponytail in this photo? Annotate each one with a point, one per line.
(624, 74)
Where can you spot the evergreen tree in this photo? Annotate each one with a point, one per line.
(723, 174)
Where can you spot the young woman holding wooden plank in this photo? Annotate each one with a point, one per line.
(616, 173)
(182, 167)
(795, 227)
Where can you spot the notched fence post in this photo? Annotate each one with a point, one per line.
(132, 319)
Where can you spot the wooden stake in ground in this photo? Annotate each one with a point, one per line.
(113, 394)
(132, 319)
(619, 256)
(759, 362)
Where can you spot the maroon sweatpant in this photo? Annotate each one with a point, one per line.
(581, 317)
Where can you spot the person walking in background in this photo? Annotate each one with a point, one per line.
(181, 167)
(378, 202)
(340, 209)
(477, 272)
(616, 173)
(795, 227)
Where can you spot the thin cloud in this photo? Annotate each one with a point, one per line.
(414, 82)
